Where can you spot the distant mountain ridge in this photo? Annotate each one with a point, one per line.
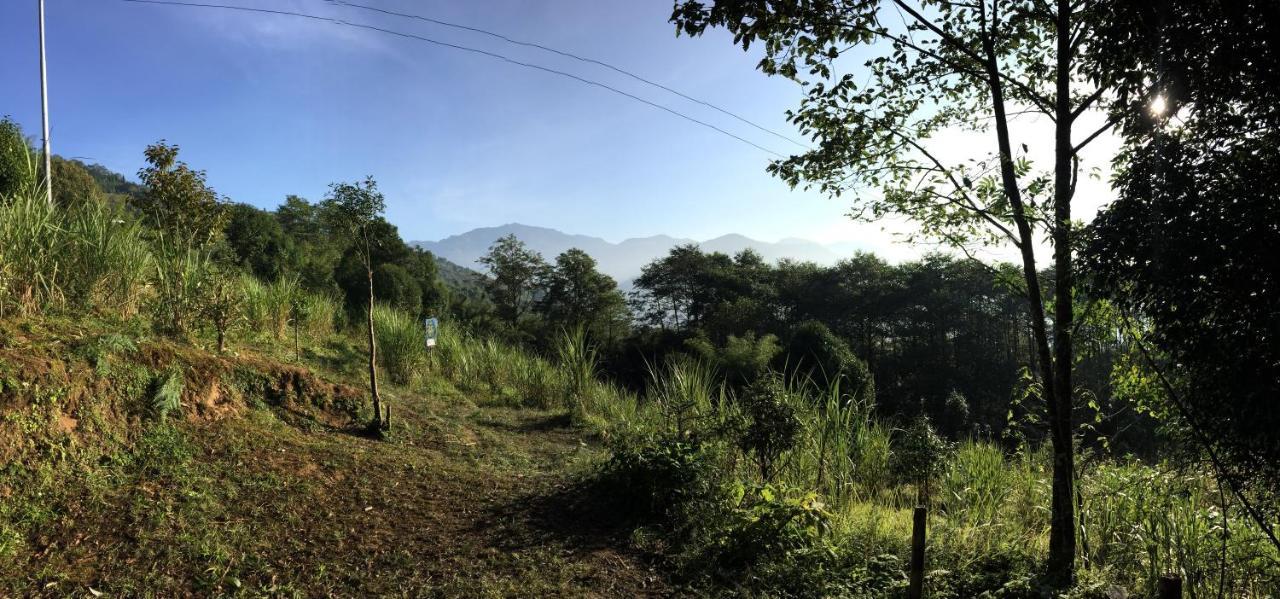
(623, 260)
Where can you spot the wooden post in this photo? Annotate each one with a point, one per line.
(1169, 587)
(916, 588)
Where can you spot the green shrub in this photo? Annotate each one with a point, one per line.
(778, 543)
(666, 480)
(814, 350)
(771, 426)
(919, 456)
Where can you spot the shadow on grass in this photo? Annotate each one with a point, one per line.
(575, 514)
(530, 423)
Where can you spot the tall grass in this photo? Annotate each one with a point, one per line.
(687, 391)
(113, 260)
(52, 257)
(181, 275)
(30, 241)
(317, 313)
(401, 347)
(268, 306)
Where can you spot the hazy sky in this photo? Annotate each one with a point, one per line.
(274, 105)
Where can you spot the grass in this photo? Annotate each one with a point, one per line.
(1138, 521)
(401, 346)
(457, 503)
(268, 305)
(55, 257)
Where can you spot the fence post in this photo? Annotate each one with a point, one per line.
(1169, 587)
(916, 588)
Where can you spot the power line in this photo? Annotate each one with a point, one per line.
(569, 55)
(494, 55)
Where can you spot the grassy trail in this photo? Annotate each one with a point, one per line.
(464, 500)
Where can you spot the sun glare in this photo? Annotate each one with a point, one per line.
(1158, 106)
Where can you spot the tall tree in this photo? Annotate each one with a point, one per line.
(1182, 248)
(356, 208)
(515, 273)
(177, 199)
(258, 242)
(73, 185)
(950, 65)
(577, 293)
(16, 163)
(317, 251)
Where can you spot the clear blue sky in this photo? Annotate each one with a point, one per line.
(274, 105)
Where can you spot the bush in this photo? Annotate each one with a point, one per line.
(814, 350)
(772, 426)
(741, 360)
(919, 456)
(665, 480)
(778, 541)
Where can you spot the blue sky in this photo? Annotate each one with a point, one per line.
(274, 105)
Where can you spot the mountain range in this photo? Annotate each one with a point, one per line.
(623, 260)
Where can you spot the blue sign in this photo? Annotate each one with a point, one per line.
(432, 328)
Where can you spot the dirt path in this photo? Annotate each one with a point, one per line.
(462, 502)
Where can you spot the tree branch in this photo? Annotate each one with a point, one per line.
(1111, 122)
(972, 54)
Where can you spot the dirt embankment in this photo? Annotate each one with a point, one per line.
(94, 388)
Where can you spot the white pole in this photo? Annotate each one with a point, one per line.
(44, 114)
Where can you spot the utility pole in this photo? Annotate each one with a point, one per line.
(44, 114)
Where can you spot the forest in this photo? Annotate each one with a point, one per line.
(1095, 419)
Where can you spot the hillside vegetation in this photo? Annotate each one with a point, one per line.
(201, 397)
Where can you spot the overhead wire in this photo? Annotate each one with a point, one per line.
(571, 55)
(463, 48)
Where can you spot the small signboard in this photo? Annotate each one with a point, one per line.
(432, 329)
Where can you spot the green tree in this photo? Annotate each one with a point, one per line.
(318, 252)
(424, 268)
(814, 349)
(397, 287)
(515, 275)
(258, 242)
(15, 158)
(1182, 249)
(578, 294)
(177, 199)
(948, 66)
(355, 208)
(73, 184)
(670, 288)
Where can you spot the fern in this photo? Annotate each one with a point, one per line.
(166, 393)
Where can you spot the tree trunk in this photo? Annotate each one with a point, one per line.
(222, 340)
(1062, 531)
(1062, 520)
(373, 358)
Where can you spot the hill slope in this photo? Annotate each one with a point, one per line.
(255, 485)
